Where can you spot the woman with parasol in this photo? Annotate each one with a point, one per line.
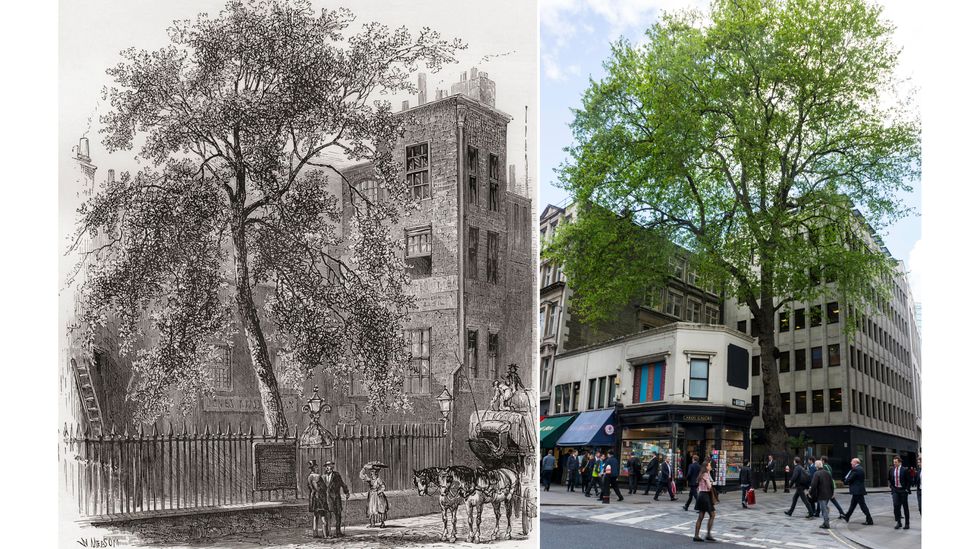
(376, 502)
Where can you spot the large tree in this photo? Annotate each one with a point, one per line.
(239, 122)
(767, 137)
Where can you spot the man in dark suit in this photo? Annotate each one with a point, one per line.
(664, 482)
(918, 484)
(800, 482)
(855, 483)
(614, 464)
(634, 473)
(652, 470)
(899, 480)
(586, 470)
(770, 474)
(333, 485)
(693, 471)
(572, 471)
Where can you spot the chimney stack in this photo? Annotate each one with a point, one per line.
(405, 105)
(464, 76)
(474, 73)
(422, 87)
(111, 176)
(83, 148)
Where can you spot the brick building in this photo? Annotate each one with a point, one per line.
(468, 249)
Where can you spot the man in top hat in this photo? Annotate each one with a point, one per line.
(332, 486)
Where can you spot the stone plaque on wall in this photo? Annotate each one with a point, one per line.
(347, 414)
(275, 465)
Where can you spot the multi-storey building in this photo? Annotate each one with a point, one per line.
(468, 250)
(853, 392)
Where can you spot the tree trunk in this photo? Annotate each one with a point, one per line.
(274, 413)
(774, 423)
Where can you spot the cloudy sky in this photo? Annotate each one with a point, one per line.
(575, 37)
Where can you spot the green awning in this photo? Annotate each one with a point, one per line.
(552, 428)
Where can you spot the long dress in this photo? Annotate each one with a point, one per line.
(376, 502)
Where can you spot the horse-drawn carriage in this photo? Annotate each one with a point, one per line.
(504, 437)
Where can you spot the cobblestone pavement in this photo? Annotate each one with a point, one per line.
(422, 531)
(763, 525)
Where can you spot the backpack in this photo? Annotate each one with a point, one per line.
(804, 476)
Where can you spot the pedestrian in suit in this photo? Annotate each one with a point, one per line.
(704, 503)
(855, 483)
(652, 471)
(693, 470)
(548, 464)
(614, 472)
(664, 480)
(334, 488)
(899, 480)
(812, 470)
(822, 490)
(745, 481)
(572, 471)
(585, 468)
(830, 471)
(800, 482)
(770, 474)
(634, 472)
(918, 485)
(317, 503)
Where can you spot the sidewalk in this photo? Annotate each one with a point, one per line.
(881, 535)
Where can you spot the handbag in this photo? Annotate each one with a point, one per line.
(751, 497)
(714, 493)
(673, 487)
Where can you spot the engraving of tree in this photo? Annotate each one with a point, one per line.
(238, 123)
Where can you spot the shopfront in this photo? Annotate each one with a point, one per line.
(596, 429)
(678, 432)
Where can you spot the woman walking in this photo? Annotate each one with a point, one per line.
(705, 503)
(376, 503)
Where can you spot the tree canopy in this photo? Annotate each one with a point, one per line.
(240, 122)
(767, 137)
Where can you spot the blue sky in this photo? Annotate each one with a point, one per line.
(575, 38)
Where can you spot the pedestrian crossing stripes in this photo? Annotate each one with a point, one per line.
(635, 520)
(803, 545)
(611, 516)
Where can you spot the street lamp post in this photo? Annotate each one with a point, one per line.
(445, 401)
(314, 434)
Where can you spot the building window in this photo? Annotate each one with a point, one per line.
(784, 321)
(367, 189)
(557, 399)
(816, 316)
(815, 276)
(222, 370)
(649, 382)
(698, 381)
(418, 254)
(816, 357)
(473, 353)
(784, 400)
(833, 313)
(611, 390)
(755, 406)
(418, 171)
(856, 410)
(756, 366)
(601, 392)
(818, 401)
(799, 319)
(417, 379)
(472, 176)
(784, 361)
(835, 400)
(492, 183)
(694, 311)
(741, 326)
(678, 268)
(833, 354)
(711, 314)
(674, 304)
(472, 252)
(801, 402)
(800, 362)
(493, 355)
(491, 267)
(545, 374)
(550, 319)
(754, 327)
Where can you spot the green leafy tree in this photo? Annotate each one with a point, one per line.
(238, 122)
(765, 137)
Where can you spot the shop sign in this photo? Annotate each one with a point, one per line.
(697, 418)
(608, 429)
(245, 404)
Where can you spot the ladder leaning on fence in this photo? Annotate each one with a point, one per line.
(86, 390)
